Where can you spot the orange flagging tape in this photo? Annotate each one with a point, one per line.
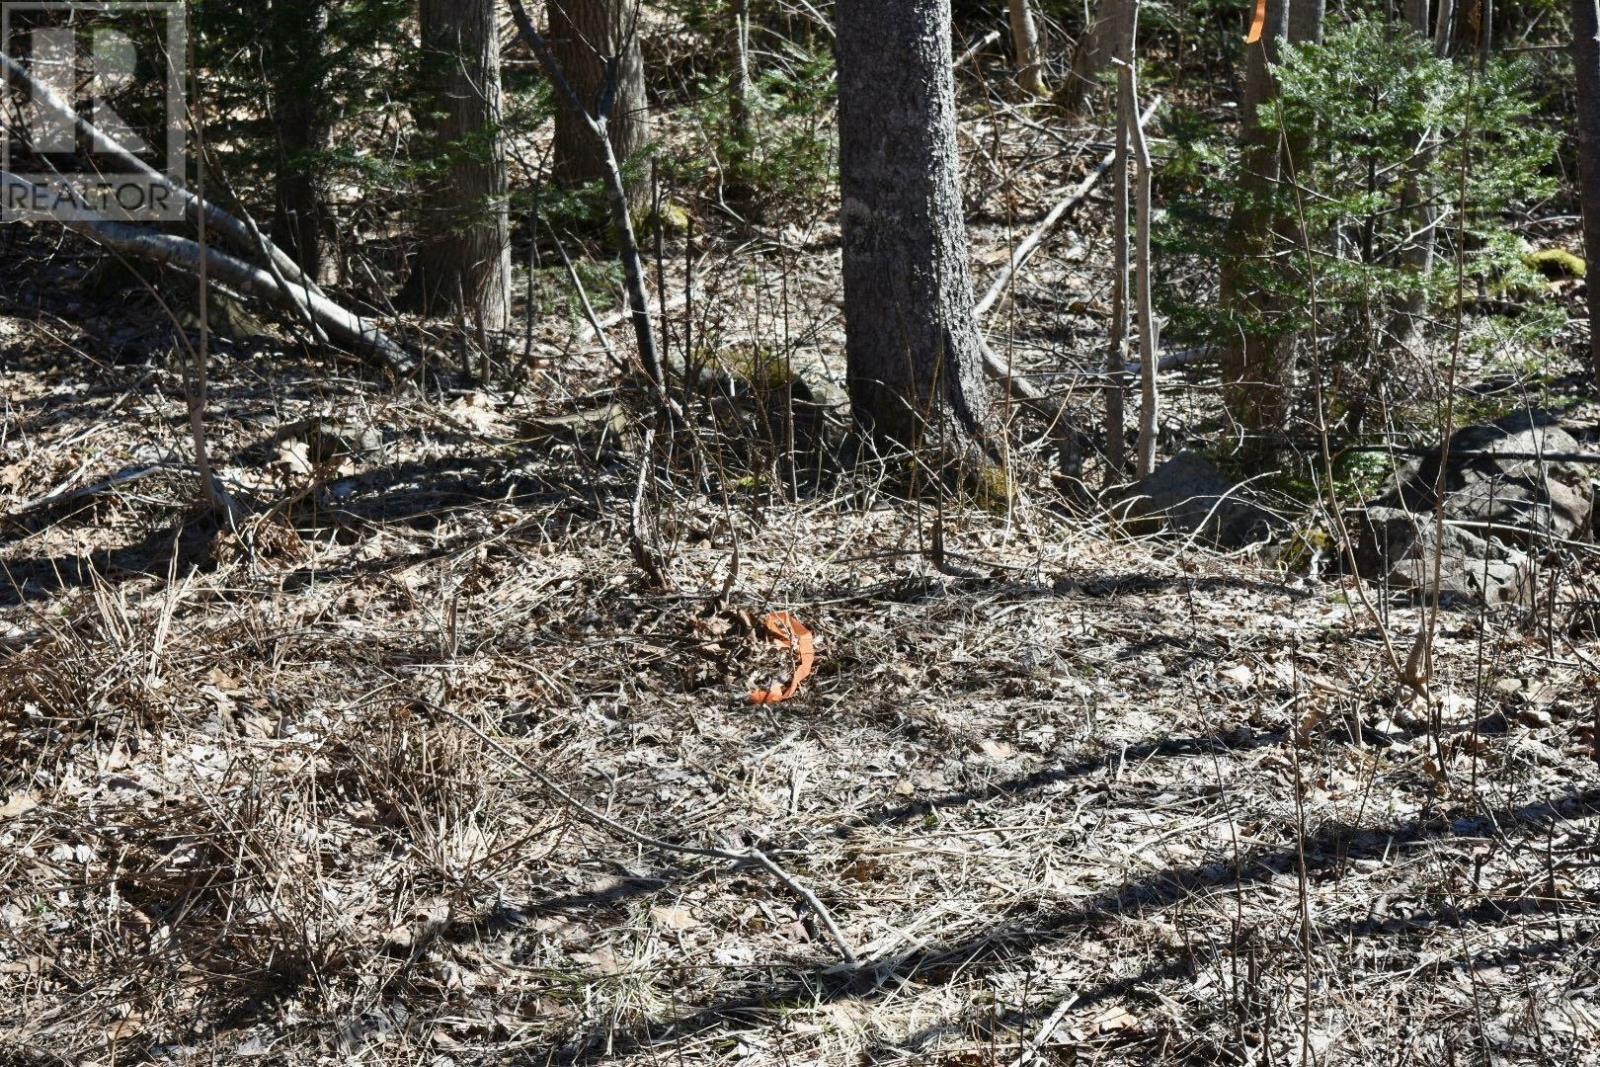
(1259, 24)
(782, 626)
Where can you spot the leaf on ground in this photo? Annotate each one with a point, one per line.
(674, 918)
(1240, 675)
(782, 626)
(17, 804)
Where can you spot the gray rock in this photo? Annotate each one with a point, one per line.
(1396, 549)
(1190, 495)
(330, 440)
(1524, 501)
(1502, 504)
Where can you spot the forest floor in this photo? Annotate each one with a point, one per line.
(1071, 796)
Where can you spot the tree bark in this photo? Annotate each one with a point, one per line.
(1025, 41)
(1417, 194)
(1305, 21)
(1474, 31)
(1444, 28)
(913, 354)
(464, 263)
(588, 36)
(1586, 57)
(1095, 47)
(296, 61)
(1256, 371)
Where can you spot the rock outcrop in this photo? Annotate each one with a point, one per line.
(1504, 503)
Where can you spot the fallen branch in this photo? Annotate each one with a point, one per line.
(977, 46)
(1052, 219)
(749, 856)
(359, 334)
(246, 242)
(1030, 394)
(64, 496)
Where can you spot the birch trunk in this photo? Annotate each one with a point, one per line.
(464, 263)
(913, 355)
(1025, 41)
(1149, 398)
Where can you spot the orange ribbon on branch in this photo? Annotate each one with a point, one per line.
(781, 626)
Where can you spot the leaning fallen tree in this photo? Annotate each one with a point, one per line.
(280, 282)
(345, 327)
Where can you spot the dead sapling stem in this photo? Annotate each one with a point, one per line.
(218, 500)
(1149, 341)
(752, 856)
(598, 123)
(661, 266)
(1117, 342)
(215, 496)
(1419, 664)
(641, 527)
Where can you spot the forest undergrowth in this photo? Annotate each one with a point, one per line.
(1071, 795)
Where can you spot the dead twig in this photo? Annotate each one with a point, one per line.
(750, 856)
(644, 553)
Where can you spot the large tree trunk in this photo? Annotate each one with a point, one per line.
(1096, 45)
(1474, 30)
(914, 361)
(296, 61)
(1255, 364)
(1586, 57)
(464, 264)
(1305, 21)
(586, 35)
